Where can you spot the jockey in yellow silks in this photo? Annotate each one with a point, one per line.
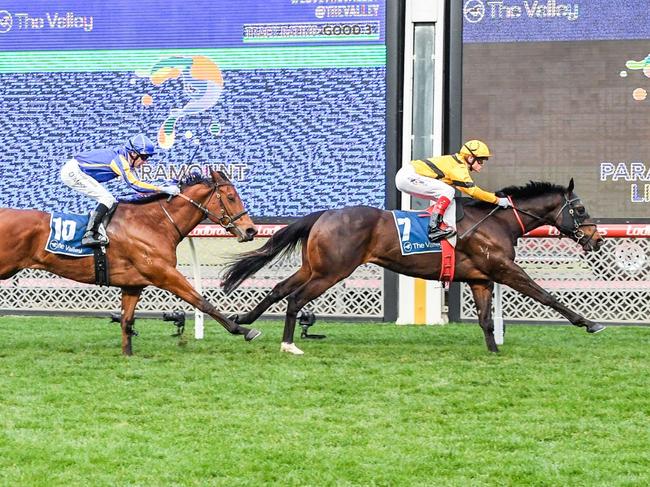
(436, 178)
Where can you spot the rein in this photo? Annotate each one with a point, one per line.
(471, 229)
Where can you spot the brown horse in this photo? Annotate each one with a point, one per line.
(142, 251)
(336, 242)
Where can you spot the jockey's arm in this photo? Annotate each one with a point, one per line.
(123, 168)
(458, 176)
(479, 194)
(464, 183)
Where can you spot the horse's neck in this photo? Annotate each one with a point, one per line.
(186, 216)
(543, 207)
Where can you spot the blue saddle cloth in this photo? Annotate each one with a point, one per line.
(412, 230)
(66, 231)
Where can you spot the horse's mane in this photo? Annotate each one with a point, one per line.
(195, 178)
(189, 180)
(530, 190)
(533, 188)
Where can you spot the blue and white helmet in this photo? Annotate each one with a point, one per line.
(141, 145)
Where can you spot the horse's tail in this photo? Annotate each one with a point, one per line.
(283, 242)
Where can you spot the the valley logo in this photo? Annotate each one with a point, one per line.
(476, 10)
(23, 21)
(6, 21)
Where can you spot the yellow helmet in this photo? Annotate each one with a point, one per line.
(475, 148)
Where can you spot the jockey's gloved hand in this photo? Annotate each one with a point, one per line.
(504, 203)
(172, 190)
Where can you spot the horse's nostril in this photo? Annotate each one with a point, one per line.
(251, 232)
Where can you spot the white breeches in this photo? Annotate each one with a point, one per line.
(408, 181)
(76, 179)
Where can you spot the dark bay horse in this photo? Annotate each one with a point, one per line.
(142, 251)
(336, 242)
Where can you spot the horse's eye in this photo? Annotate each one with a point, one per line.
(580, 210)
(231, 197)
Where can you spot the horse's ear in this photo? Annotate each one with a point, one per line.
(571, 186)
(219, 176)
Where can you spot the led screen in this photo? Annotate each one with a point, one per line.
(558, 90)
(286, 96)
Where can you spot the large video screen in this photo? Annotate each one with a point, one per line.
(286, 96)
(559, 89)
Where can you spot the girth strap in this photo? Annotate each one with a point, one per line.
(102, 277)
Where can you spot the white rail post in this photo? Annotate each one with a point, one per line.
(196, 271)
(498, 314)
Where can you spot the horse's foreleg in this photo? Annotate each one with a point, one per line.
(279, 292)
(130, 297)
(176, 283)
(515, 277)
(482, 292)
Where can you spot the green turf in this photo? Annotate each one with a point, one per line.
(370, 405)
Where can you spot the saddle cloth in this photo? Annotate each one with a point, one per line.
(66, 231)
(412, 231)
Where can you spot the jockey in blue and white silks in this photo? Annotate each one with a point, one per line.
(87, 170)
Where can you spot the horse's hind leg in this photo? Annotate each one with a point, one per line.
(482, 292)
(9, 270)
(296, 300)
(279, 292)
(130, 298)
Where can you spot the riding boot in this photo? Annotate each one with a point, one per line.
(92, 238)
(438, 230)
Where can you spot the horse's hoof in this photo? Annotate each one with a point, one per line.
(291, 348)
(234, 318)
(596, 328)
(252, 334)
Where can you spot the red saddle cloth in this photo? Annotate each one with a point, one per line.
(448, 256)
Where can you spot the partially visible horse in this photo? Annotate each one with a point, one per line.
(336, 242)
(142, 251)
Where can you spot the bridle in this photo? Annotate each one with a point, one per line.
(572, 230)
(226, 220)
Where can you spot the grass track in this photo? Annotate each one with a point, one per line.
(370, 405)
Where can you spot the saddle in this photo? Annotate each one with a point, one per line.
(460, 207)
